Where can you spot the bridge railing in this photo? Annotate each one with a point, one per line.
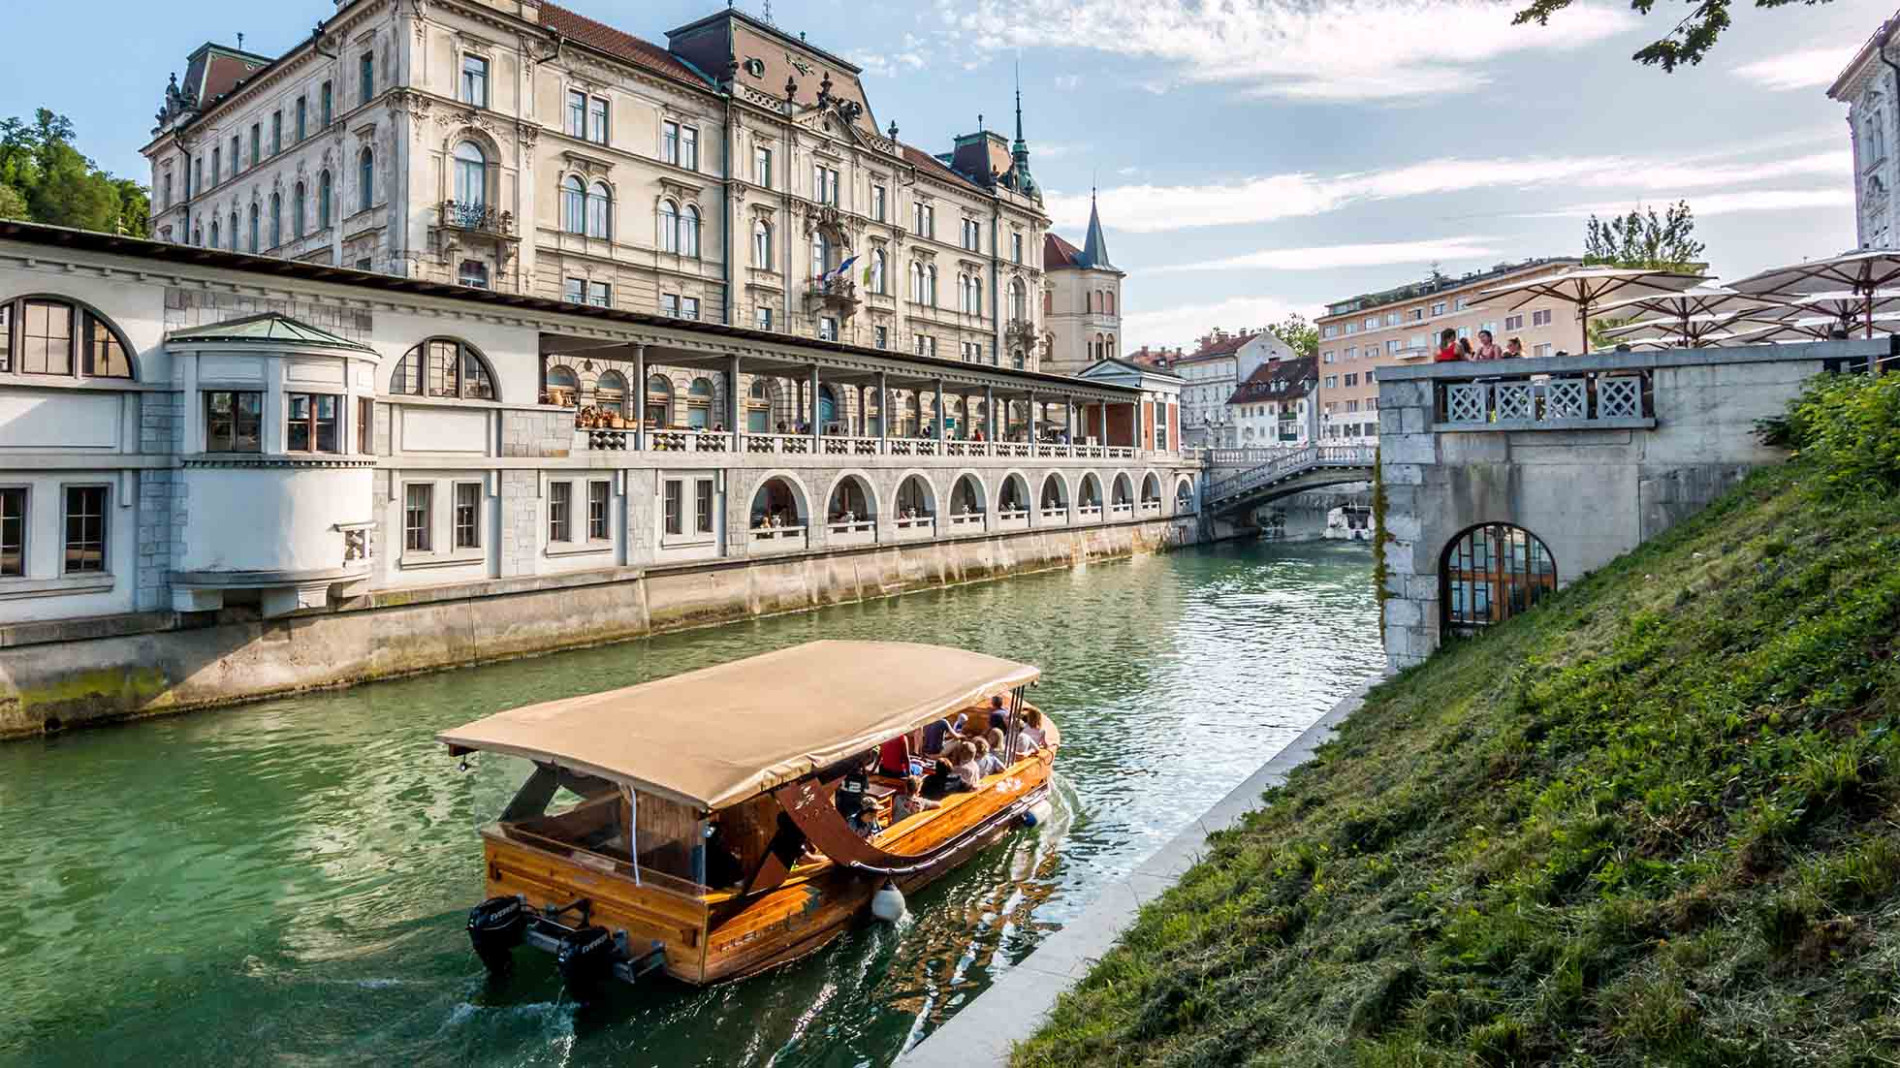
(1580, 400)
(1289, 464)
(1250, 457)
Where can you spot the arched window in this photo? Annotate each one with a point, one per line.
(564, 386)
(214, 234)
(827, 408)
(1108, 346)
(234, 230)
(1490, 573)
(689, 231)
(471, 175)
(758, 408)
(573, 205)
(966, 498)
(610, 393)
(669, 226)
(849, 502)
(1124, 490)
(1184, 496)
(255, 236)
(976, 294)
(1150, 489)
(366, 179)
(1015, 495)
(324, 192)
(877, 271)
(916, 282)
(820, 254)
(443, 367)
(600, 211)
(297, 211)
(1091, 492)
(699, 401)
(1018, 301)
(659, 402)
(873, 414)
(1053, 495)
(1091, 299)
(276, 219)
(762, 245)
(776, 505)
(907, 416)
(49, 336)
(1108, 299)
(930, 285)
(914, 499)
(1048, 302)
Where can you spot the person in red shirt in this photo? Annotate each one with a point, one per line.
(1447, 347)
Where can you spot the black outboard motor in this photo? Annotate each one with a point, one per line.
(495, 928)
(586, 960)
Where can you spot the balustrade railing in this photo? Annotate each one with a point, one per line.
(790, 444)
(1616, 399)
(779, 534)
(1055, 513)
(846, 528)
(1089, 511)
(683, 441)
(1150, 507)
(1008, 516)
(916, 524)
(1124, 508)
(1288, 464)
(965, 520)
(605, 439)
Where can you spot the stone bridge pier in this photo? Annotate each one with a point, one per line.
(1507, 481)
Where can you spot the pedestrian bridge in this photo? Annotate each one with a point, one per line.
(1240, 480)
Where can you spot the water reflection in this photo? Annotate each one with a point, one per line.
(287, 881)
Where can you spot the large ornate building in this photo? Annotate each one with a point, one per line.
(1082, 301)
(1870, 87)
(736, 175)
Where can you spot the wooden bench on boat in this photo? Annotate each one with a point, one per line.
(695, 827)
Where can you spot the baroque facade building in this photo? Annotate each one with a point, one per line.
(1082, 309)
(736, 175)
(1870, 87)
(1211, 375)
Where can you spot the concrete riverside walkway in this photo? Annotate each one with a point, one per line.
(982, 1031)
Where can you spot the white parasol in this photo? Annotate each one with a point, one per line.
(1589, 287)
(1863, 274)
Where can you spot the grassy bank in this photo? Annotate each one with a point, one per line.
(1656, 821)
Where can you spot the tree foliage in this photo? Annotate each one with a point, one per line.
(1300, 336)
(1644, 239)
(1687, 42)
(44, 179)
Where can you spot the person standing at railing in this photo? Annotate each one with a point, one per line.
(1447, 347)
(1514, 349)
(1487, 347)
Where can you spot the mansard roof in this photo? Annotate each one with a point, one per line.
(268, 329)
(1278, 380)
(621, 45)
(935, 167)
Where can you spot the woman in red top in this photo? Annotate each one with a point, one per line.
(1447, 347)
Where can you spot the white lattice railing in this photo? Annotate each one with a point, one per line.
(1291, 463)
(1561, 403)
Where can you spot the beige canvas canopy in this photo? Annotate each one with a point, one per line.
(717, 736)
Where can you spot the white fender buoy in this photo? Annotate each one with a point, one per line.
(1038, 813)
(888, 903)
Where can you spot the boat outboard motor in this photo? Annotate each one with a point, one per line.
(495, 928)
(585, 960)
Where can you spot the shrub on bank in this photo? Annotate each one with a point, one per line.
(1655, 821)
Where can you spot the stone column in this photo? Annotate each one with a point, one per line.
(883, 415)
(733, 405)
(640, 397)
(1035, 418)
(812, 407)
(989, 412)
(940, 410)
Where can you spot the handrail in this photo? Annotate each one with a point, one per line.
(1313, 456)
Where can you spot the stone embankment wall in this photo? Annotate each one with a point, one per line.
(61, 674)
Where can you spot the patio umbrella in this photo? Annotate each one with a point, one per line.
(1589, 287)
(1863, 273)
(1689, 332)
(1818, 328)
(1844, 307)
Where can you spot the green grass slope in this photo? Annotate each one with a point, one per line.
(1654, 822)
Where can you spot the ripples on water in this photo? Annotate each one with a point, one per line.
(286, 882)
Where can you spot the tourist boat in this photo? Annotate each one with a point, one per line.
(689, 824)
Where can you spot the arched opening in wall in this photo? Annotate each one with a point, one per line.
(976, 420)
(850, 502)
(966, 498)
(1091, 494)
(1151, 490)
(776, 505)
(659, 402)
(1124, 492)
(699, 403)
(564, 386)
(1055, 496)
(873, 414)
(828, 409)
(915, 499)
(610, 393)
(908, 419)
(1490, 573)
(1013, 500)
(758, 407)
(444, 367)
(1184, 495)
(54, 336)
(471, 181)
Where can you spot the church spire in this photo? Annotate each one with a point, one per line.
(1019, 152)
(1095, 249)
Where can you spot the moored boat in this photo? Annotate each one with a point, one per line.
(694, 824)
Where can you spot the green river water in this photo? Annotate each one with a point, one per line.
(285, 883)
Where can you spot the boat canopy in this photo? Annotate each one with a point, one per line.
(720, 735)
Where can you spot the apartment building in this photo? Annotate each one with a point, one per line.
(1274, 406)
(1210, 375)
(1401, 326)
(735, 174)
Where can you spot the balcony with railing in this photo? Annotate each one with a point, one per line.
(832, 296)
(1621, 399)
(483, 219)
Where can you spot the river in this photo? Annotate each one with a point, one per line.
(286, 882)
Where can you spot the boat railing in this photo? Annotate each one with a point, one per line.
(659, 880)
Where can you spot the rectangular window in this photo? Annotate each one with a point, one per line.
(13, 532)
(824, 185)
(311, 422)
(6, 337)
(234, 421)
(237, 164)
(1352, 380)
(1460, 304)
(85, 530)
(1540, 317)
(670, 305)
(670, 142)
(762, 167)
(599, 517)
(765, 318)
(1329, 331)
(576, 291)
(257, 144)
(877, 203)
(689, 307)
(689, 148)
(366, 77)
(1438, 307)
(827, 328)
(1541, 350)
(703, 506)
(418, 502)
(597, 123)
(326, 105)
(881, 336)
(468, 512)
(560, 511)
(671, 506)
(303, 118)
(576, 114)
(600, 295)
(1514, 322)
(1016, 248)
(46, 339)
(475, 81)
(366, 425)
(276, 132)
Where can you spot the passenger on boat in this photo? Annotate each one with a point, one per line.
(967, 761)
(993, 761)
(851, 790)
(1032, 737)
(722, 862)
(893, 758)
(912, 800)
(939, 734)
(946, 778)
(999, 715)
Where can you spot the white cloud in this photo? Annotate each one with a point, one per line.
(1068, 82)
(1720, 203)
(1806, 68)
(1180, 324)
(1326, 257)
(1348, 50)
(913, 56)
(1268, 198)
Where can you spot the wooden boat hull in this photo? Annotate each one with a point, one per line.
(711, 938)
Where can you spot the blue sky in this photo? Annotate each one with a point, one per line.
(1254, 156)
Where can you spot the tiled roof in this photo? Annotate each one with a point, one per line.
(1057, 254)
(924, 161)
(1278, 380)
(1225, 346)
(605, 38)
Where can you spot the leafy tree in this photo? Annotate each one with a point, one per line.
(51, 182)
(1687, 42)
(1644, 239)
(1300, 336)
